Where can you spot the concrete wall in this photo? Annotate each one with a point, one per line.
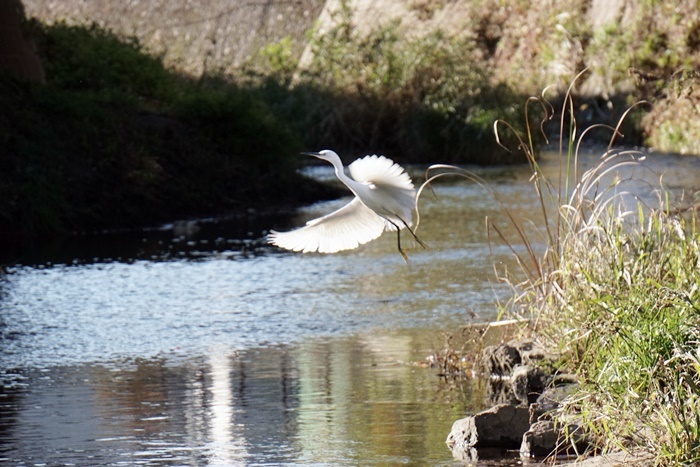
(193, 35)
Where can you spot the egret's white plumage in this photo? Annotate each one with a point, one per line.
(384, 200)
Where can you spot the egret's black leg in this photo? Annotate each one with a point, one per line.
(398, 240)
(425, 247)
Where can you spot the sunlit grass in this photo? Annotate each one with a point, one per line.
(615, 292)
(619, 298)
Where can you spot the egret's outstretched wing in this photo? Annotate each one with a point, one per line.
(391, 193)
(381, 171)
(344, 229)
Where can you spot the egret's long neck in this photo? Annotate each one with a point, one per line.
(340, 173)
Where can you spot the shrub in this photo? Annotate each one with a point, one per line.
(422, 98)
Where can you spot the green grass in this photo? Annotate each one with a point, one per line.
(626, 315)
(115, 139)
(617, 293)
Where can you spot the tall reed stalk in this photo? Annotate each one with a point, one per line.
(616, 291)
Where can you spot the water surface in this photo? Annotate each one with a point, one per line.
(198, 344)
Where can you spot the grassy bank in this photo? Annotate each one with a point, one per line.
(115, 139)
(626, 315)
(616, 292)
(635, 50)
(420, 99)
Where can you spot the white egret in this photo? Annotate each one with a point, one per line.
(384, 200)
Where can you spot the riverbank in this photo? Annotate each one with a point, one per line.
(634, 50)
(112, 138)
(123, 133)
(615, 297)
(622, 308)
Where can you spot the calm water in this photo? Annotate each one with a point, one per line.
(197, 344)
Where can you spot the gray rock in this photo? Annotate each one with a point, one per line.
(550, 400)
(498, 391)
(500, 359)
(545, 438)
(540, 440)
(501, 426)
(519, 388)
(530, 351)
(527, 383)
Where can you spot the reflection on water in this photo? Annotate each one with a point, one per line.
(325, 402)
(198, 344)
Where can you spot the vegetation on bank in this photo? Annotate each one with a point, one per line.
(616, 292)
(418, 99)
(634, 50)
(115, 139)
(625, 310)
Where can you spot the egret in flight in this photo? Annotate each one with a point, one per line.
(384, 200)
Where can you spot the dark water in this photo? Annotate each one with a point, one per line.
(197, 344)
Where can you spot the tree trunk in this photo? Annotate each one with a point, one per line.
(17, 56)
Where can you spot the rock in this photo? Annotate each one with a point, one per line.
(518, 386)
(540, 440)
(550, 400)
(528, 383)
(530, 351)
(545, 438)
(501, 426)
(499, 391)
(500, 359)
(503, 358)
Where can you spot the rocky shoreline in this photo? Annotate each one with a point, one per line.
(526, 390)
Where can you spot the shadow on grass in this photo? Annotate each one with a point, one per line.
(113, 139)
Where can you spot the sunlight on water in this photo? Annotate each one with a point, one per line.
(89, 313)
(198, 344)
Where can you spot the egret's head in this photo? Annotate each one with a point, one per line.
(326, 155)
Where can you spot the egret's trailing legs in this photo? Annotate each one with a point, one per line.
(398, 239)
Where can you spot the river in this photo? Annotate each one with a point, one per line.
(198, 344)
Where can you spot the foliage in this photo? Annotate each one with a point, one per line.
(631, 315)
(417, 98)
(673, 124)
(113, 139)
(93, 60)
(616, 290)
(116, 139)
(280, 59)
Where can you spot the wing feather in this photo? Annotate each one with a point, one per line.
(392, 192)
(381, 171)
(345, 229)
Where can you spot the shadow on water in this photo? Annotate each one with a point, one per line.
(180, 240)
(198, 344)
